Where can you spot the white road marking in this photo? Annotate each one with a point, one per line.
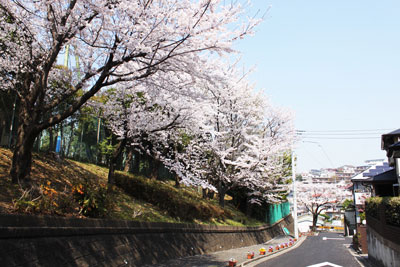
(323, 264)
(333, 238)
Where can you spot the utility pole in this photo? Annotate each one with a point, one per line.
(296, 230)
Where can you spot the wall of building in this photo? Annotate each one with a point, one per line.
(52, 241)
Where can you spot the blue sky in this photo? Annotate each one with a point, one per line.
(336, 64)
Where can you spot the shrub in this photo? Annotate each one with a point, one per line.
(362, 216)
(93, 199)
(348, 204)
(391, 205)
(177, 203)
(372, 206)
(44, 199)
(392, 210)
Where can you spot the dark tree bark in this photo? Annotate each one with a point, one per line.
(204, 193)
(315, 213)
(38, 142)
(51, 139)
(221, 194)
(314, 222)
(22, 157)
(136, 163)
(113, 160)
(249, 207)
(128, 161)
(177, 181)
(61, 139)
(154, 167)
(71, 135)
(32, 89)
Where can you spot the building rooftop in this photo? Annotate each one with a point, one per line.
(395, 132)
(378, 169)
(389, 139)
(371, 171)
(385, 177)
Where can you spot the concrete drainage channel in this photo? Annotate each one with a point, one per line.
(269, 255)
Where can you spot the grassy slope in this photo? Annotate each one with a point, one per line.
(58, 183)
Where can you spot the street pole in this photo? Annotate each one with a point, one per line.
(296, 230)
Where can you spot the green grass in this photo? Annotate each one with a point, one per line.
(59, 187)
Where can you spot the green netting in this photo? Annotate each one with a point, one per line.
(275, 212)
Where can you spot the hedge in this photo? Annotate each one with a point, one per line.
(175, 202)
(372, 206)
(392, 210)
(391, 206)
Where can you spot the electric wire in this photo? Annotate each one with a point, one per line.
(345, 131)
(341, 134)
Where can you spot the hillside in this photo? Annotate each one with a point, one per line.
(70, 188)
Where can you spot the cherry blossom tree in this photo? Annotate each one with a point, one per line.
(143, 121)
(268, 171)
(238, 137)
(115, 41)
(318, 197)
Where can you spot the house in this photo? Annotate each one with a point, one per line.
(362, 189)
(384, 184)
(391, 143)
(383, 231)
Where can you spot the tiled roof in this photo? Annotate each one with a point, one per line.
(378, 169)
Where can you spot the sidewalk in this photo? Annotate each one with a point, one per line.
(221, 258)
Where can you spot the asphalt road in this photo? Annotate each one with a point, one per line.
(324, 250)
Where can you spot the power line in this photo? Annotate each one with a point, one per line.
(312, 133)
(323, 150)
(344, 131)
(340, 134)
(340, 138)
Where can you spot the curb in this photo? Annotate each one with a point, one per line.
(275, 253)
(362, 259)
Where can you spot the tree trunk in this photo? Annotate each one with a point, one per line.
(177, 181)
(136, 163)
(314, 222)
(22, 157)
(204, 191)
(128, 160)
(51, 136)
(221, 194)
(154, 168)
(38, 142)
(113, 160)
(249, 207)
(61, 139)
(71, 135)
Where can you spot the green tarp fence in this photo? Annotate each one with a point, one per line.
(275, 212)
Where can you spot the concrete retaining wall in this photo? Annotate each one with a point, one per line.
(52, 241)
(383, 243)
(382, 251)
